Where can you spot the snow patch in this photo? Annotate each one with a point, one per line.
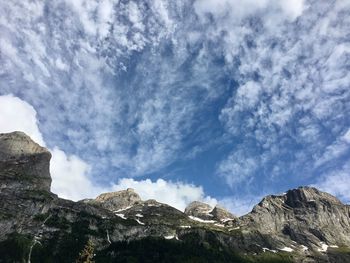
(139, 215)
(138, 221)
(121, 215)
(153, 205)
(122, 209)
(323, 248)
(201, 220)
(286, 249)
(267, 249)
(224, 220)
(169, 237)
(185, 226)
(333, 246)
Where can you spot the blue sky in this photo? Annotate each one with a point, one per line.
(235, 98)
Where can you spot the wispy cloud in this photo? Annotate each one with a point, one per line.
(336, 182)
(296, 110)
(131, 86)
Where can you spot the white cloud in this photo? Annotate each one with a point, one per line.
(248, 95)
(70, 177)
(287, 60)
(293, 8)
(235, 10)
(176, 194)
(304, 91)
(336, 183)
(346, 136)
(335, 150)
(238, 167)
(18, 115)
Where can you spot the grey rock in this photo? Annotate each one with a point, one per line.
(115, 201)
(221, 214)
(199, 210)
(24, 164)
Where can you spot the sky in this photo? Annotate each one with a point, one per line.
(219, 101)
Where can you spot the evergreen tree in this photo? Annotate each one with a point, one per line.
(87, 254)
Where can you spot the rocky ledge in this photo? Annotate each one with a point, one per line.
(302, 225)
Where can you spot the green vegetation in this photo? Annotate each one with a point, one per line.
(159, 250)
(53, 220)
(15, 248)
(39, 195)
(64, 247)
(58, 222)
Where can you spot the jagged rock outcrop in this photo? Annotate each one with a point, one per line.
(305, 215)
(24, 164)
(119, 200)
(206, 212)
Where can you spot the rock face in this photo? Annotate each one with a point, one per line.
(221, 214)
(302, 225)
(304, 215)
(23, 163)
(118, 200)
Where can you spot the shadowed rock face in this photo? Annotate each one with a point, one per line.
(24, 164)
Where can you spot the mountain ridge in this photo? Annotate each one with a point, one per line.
(302, 225)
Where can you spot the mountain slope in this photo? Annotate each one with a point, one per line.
(304, 225)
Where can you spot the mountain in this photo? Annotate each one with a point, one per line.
(302, 225)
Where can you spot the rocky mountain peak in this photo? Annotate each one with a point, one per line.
(304, 196)
(23, 163)
(206, 212)
(199, 209)
(118, 200)
(305, 215)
